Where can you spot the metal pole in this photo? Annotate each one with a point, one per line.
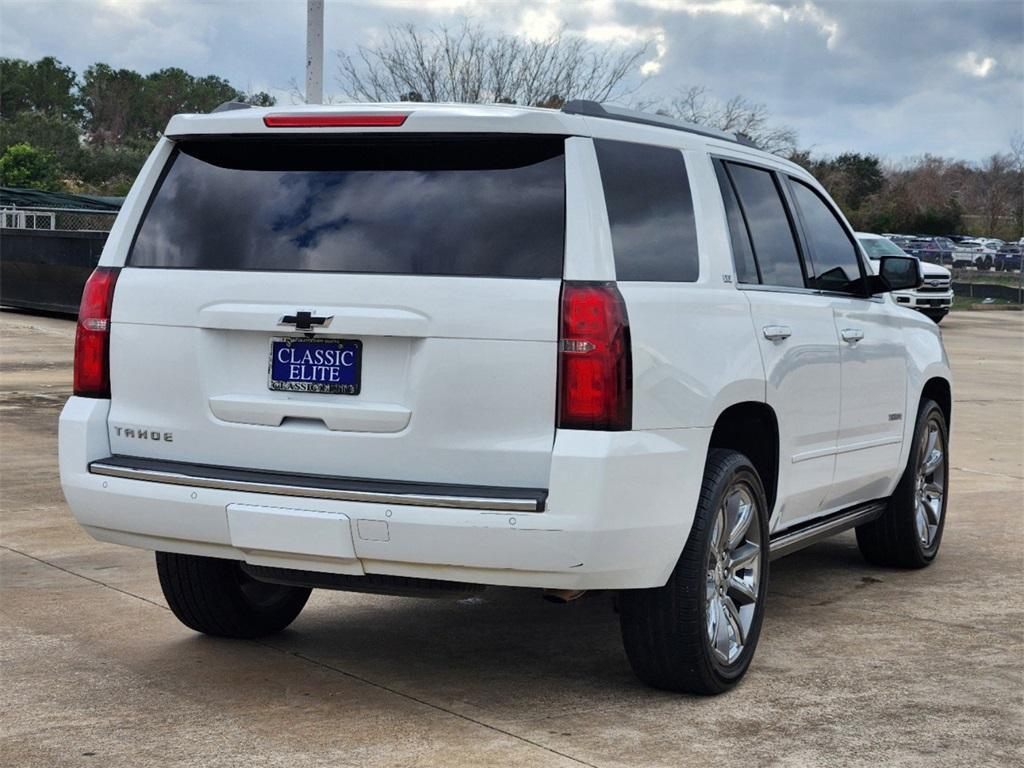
(314, 51)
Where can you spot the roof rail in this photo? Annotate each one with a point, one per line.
(228, 106)
(595, 109)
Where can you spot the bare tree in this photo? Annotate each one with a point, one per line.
(469, 65)
(1017, 181)
(994, 186)
(736, 115)
(1017, 151)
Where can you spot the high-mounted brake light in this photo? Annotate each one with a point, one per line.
(333, 121)
(92, 336)
(595, 365)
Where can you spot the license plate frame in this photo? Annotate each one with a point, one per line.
(350, 385)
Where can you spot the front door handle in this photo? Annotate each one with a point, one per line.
(777, 332)
(851, 335)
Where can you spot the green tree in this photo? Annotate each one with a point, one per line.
(110, 170)
(861, 177)
(51, 133)
(119, 112)
(941, 220)
(22, 165)
(45, 86)
(172, 91)
(112, 103)
(259, 99)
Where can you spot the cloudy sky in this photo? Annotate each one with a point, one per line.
(893, 77)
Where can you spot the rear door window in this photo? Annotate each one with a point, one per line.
(650, 211)
(461, 206)
(743, 254)
(771, 233)
(833, 256)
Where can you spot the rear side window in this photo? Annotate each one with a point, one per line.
(466, 206)
(743, 254)
(650, 211)
(833, 255)
(768, 223)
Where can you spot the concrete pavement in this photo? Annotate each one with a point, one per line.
(856, 666)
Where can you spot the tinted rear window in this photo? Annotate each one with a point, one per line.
(650, 211)
(743, 255)
(491, 207)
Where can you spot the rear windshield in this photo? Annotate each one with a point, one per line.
(468, 206)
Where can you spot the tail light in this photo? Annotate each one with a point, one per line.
(92, 337)
(595, 368)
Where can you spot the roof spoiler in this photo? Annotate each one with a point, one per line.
(230, 106)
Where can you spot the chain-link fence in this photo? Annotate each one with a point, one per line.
(56, 219)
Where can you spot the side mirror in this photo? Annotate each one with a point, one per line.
(897, 273)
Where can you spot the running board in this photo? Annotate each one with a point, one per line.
(790, 541)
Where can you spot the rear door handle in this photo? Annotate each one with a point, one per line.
(851, 335)
(777, 332)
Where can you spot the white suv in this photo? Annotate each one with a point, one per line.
(420, 349)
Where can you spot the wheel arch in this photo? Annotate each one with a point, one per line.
(752, 429)
(939, 390)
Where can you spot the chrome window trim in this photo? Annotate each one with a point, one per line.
(880, 298)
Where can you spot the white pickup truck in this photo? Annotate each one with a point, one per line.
(933, 298)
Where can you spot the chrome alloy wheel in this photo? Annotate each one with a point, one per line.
(733, 573)
(930, 484)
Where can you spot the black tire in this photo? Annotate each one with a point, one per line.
(893, 540)
(935, 317)
(216, 597)
(665, 629)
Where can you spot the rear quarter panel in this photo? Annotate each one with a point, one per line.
(695, 352)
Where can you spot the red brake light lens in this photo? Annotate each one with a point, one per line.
(595, 365)
(92, 336)
(333, 121)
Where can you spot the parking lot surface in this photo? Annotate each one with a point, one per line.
(857, 665)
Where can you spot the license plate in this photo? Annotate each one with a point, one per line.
(330, 366)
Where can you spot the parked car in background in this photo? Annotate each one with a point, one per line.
(935, 250)
(973, 253)
(901, 240)
(935, 295)
(1008, 258)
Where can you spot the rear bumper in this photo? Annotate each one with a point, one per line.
(618, 510)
